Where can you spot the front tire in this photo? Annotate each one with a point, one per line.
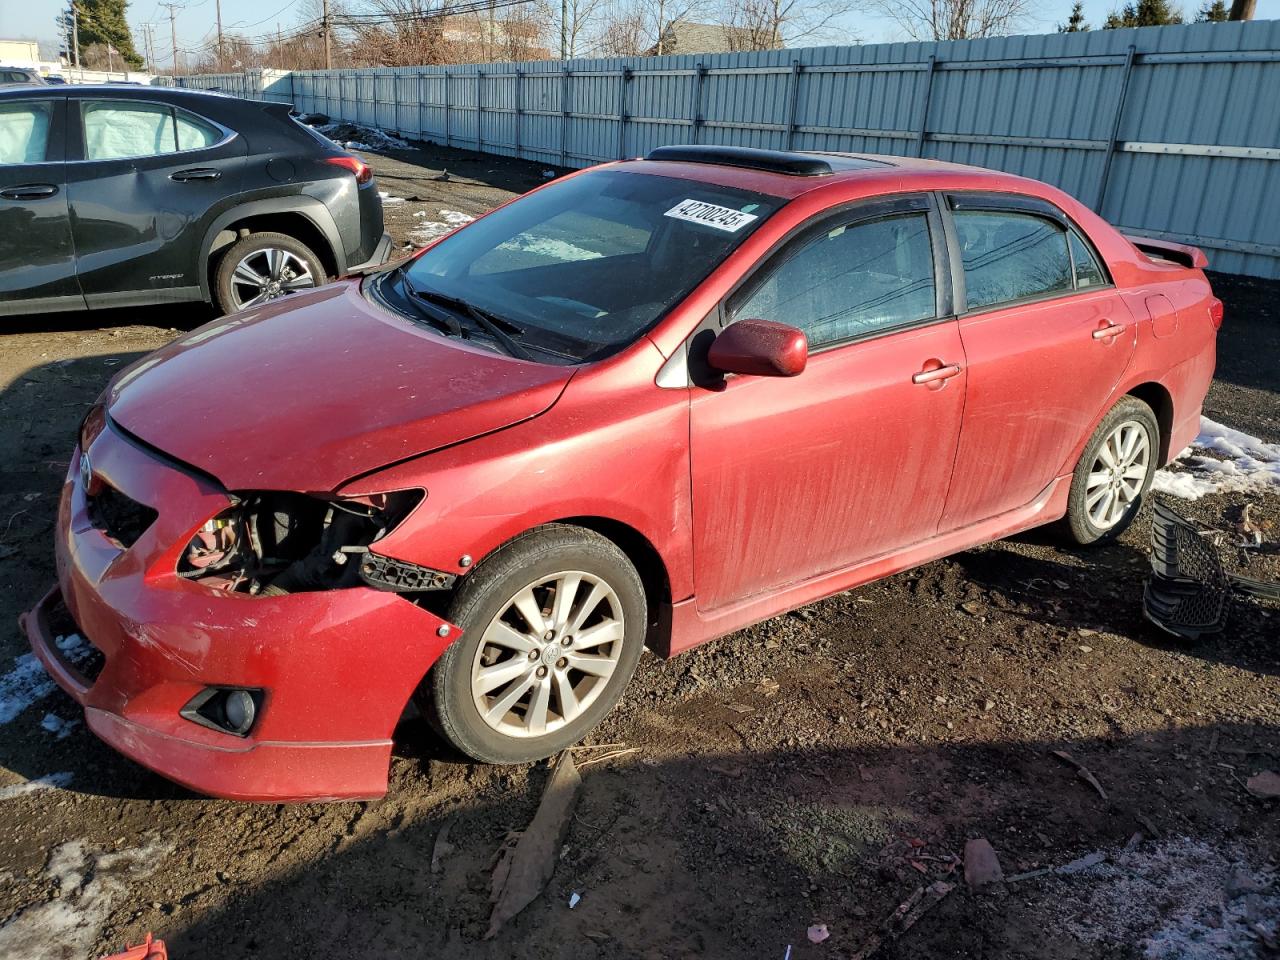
(262, 267)
(1114, 473)
(553, 626)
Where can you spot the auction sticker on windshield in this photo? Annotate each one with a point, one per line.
(710, 215)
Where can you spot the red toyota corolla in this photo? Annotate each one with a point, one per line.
(647, 404)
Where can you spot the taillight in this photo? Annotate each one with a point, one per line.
(1215, 313)
(363, 172)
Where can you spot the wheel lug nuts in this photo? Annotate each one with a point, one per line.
(548, 635)
(562, 662)
(533, 654)
(542, 671)
(567, 641)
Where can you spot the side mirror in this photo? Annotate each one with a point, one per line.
(759, 348)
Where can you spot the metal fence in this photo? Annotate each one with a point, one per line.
(1172, 132)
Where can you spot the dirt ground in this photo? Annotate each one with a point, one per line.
(818, 768)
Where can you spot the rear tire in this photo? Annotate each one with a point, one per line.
(553, 624)
(263, 267)
(1114, 474)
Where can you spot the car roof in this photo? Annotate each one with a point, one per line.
(790, 174)
(128, 90)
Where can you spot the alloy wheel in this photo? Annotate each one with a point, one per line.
(548, 655)
(1118, 474)
(268, 274)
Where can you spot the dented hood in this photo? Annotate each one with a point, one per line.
(318, 388)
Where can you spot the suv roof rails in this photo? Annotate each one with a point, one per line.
(773, 161)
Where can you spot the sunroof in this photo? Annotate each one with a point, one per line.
(773, 161)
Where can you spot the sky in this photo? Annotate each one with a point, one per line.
(27, 19)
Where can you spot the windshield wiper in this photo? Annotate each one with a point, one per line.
(440, 319)
(491, 323)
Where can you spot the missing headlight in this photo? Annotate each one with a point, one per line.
(272, 543)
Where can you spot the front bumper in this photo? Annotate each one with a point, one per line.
(337, 667)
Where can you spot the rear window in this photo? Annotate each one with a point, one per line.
(1011, 256)
(118, 129)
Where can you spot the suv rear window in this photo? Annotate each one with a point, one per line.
(117, 129)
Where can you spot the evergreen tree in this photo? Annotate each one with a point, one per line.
(103, 21)
(1075, 23)
(1215, 12)
(1144, 13)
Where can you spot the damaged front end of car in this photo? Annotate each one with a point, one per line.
(272, 543)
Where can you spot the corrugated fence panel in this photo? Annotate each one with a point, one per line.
(1169, 131)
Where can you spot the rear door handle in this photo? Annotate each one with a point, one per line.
(29, 191)
(1110, 330)
(196, 173)
(936, 374)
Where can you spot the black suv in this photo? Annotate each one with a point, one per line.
(114, 196)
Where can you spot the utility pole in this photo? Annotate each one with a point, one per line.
(328, 45)
(564, 29)
(222, 61)
(280, 48)
(75, 32)
(148, 38)
(173, 33)
(1242, 9)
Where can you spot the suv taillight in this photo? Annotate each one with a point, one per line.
(363, 172)
(1215, 313)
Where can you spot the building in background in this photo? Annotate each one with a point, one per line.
(26, 53)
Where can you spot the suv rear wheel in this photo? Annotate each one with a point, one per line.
(554, 623)
(263, 267)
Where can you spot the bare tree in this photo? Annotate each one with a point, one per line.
(769, 24)
(957, 19)
(634, 28)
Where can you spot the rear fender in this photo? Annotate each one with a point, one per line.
(310, 208)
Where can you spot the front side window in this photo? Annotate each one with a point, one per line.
(1011, 256)
(24, 131)
(584, 267)
(115, 130)
(850, 281)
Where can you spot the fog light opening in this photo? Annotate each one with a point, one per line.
(230, 710)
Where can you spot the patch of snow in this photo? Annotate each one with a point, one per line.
(356, 136)
(50, 781)
(1250, 465)
(27, 682)
(57, 726)
(1174, 900)
(450, 220)
(90, 886)
(387, 198)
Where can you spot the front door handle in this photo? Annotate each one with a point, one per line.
(29, 191)
(936, 374)
(1108, 331)
(196, 173)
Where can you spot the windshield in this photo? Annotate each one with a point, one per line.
(581, 269)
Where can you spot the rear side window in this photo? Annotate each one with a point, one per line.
(851, 281)
(115, 130)
(1088, 271)
(24, 131)
(1011, 256)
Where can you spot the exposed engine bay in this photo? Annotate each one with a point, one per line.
(272, 543)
